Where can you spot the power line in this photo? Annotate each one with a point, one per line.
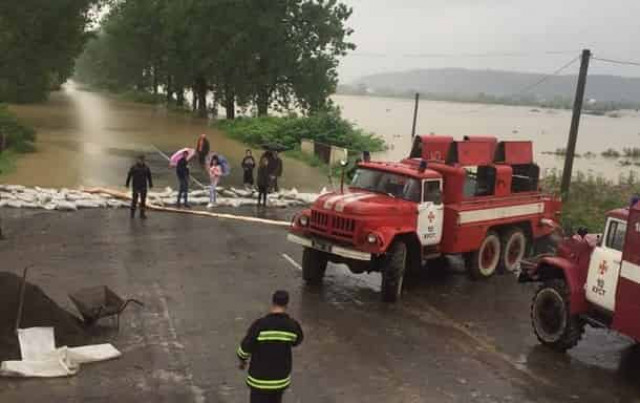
(621, 62)
(535, 84)
(459, 55)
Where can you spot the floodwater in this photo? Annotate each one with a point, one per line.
(90, 139)
(392, 119)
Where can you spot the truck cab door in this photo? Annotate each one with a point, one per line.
(604, 268)
(626, 318)
(430, 213)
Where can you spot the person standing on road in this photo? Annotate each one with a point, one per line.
(267, 345)
(264, 180)
(139, 176)
(215, 172)
(182, 170)
(248, 165)
(202, 149)
(277, 171)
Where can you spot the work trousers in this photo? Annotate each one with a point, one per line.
(141, 195)
(212, 191)
(183, 190)
(262, 195)
(264, 396)
(248, 177)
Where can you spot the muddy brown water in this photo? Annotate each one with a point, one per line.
(90, 139)
(391, 118)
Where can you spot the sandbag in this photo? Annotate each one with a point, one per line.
(66, 206)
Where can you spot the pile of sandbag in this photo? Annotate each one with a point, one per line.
(16, 196)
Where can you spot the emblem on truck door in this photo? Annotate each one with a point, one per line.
(431, 217)
(603, 268)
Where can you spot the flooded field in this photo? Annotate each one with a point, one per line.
(89, 138)
(548, 128)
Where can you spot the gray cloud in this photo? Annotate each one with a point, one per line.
(520, 35)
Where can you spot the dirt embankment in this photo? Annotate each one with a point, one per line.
(38, 310)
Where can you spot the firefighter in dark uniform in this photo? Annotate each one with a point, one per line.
(139, 175)
(268, 346)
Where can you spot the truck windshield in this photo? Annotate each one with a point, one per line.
(391, 184)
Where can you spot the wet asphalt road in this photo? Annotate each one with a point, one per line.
(204, 280)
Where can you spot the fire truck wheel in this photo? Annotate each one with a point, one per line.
(551, 319)
(483, 263)
(314, 264)
(514, 247)
(393, 272)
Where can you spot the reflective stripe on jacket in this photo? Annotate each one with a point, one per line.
(268, 344)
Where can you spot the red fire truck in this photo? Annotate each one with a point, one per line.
(477, 197)
(590, 281)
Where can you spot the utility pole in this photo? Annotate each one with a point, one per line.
(575, 123)
(415, 115)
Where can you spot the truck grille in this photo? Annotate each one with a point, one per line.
(333, 225)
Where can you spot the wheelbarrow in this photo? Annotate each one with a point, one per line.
(95, 303)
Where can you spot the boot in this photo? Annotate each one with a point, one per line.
(132, 213)
(143, 216)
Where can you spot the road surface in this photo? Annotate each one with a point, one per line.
(204, 280)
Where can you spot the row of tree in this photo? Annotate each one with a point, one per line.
(39, 42)
(262, 53)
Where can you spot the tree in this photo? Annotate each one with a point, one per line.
(39, 40)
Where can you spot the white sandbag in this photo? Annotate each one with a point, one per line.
(3, 203)
(199, 201)
(93, 353)
(14, 188)
(117, 203)
(30, 205)
(66, 206)
(324, 191)
(75, 197)
(36, 342)
(15, 203)
(87, 204)
(290, 194)
(50, 206)
(27, 197)
(227, 193)
(199, 193)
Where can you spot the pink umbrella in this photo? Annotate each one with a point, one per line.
(175, 158)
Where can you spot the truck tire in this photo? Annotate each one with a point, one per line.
(314, 265)
(513, 249)
(393, 272)
(483, 262)
(551, 318)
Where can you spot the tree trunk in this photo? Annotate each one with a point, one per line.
(230, 102)
(201, 90)
(263, 102)
(154, 73)
(194, 99)
(180, 97)
(169, 89)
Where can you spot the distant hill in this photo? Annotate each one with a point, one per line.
(493, 85)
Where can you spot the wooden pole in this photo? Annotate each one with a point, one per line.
(575, 123)
(23, 287)
(415, 115)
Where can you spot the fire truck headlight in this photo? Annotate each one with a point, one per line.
(372, 238)
(303, 220)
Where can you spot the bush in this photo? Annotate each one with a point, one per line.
(611, 153)
(591, 198)
(327, 127)
(143, 97)
(17, 136)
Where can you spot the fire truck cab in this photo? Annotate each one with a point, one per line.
(594, 281)
(477, 197)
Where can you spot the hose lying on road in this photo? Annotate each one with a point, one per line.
(151, 206)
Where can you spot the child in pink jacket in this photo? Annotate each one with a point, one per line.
(215, 172)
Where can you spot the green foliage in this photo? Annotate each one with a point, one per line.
(17, 136)
(325, 127)
(142, 97)
(591, 198)
(39, 40)
(263, 53)
(611, 153)
(631, 152)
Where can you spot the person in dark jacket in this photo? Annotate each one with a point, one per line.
(202, 148)
(182, 170)
(139, 176)
(267, 345)
(264, 180)
(248, 165)
(277, 171)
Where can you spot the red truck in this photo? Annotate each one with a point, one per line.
(590, 281)
(477, 197)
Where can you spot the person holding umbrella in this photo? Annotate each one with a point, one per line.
(182, 171)
(264, 180)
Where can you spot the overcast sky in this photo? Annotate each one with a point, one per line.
(396, 35)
